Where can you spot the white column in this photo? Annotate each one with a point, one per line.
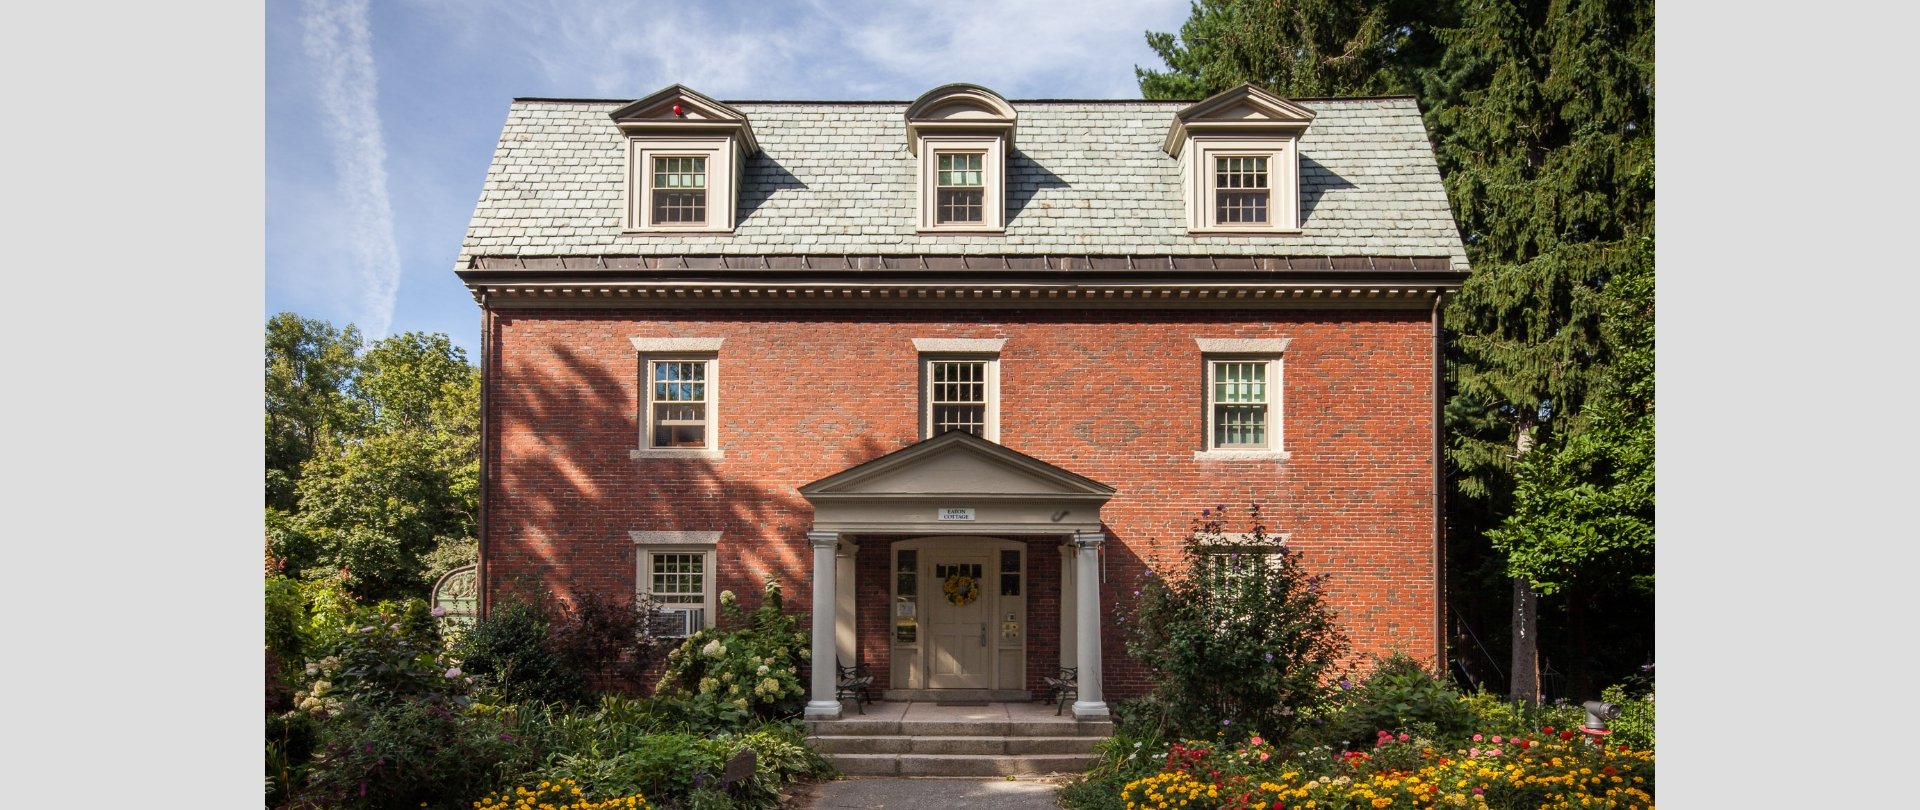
(1069, 628)
(1091, 705)
(823, 706)
(846, 558)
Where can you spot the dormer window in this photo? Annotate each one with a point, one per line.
(684, 156)
(1239, 152)
(960, 189)
(961, 133)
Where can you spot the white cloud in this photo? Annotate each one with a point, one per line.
(338, 41)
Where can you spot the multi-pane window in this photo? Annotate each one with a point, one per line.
(957, 396)
(1240, 402)
(679, 190)
(1241, 190)
(678, 582)
(677, 403)
(961, 188)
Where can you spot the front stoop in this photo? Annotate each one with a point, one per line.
(926, 739)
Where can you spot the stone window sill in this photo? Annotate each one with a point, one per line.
(1240, 455)
(709, 454)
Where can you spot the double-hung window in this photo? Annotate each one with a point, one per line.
(1242, 384)
(960, 386)
(679, 397)
(961, 189)
(679, 190)
(676, 576)
(1241, 189)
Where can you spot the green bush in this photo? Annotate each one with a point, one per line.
(1398, 695)
(1236, 633)
(512, 650)
(410, 754)
(1634, 726)
(732, 678)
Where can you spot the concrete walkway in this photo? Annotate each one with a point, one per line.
(931, 793)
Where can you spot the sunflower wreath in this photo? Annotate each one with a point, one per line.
(961, 589)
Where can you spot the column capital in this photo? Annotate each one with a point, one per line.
(823, 539)
(1089, 540)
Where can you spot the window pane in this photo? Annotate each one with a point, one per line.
(957, 395)
(1240, 404)
(1241, 191)
(679, 190)
(960, 206)
(679, 578)
(679, 403)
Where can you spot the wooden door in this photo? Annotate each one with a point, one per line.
(959, 636)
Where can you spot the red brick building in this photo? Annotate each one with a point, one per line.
(876, 349)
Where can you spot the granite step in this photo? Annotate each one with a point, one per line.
(960, 764)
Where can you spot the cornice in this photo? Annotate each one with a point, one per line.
(945, 281)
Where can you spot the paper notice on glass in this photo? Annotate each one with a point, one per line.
(905, 610)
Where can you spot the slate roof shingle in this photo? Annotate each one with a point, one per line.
(1084, 177)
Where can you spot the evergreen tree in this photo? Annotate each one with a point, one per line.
(1296, 48)
(1542, 114)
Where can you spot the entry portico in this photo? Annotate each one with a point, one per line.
(950, 507)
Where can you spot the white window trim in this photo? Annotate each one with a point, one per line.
(991, 429)
(647, 544)
(994, 166)
(723, 182)
(1271, 351)
(1283, 179)
(651, 350)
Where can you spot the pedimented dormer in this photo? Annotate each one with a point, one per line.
(962, 133)
(1239, 153)
(684, 157)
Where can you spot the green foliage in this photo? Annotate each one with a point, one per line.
(511, 650)
(310, 401)
(1236, 633)
(373, 460)
(731, 677)
(608, 640)
(286, 620)
(1634, 726)
(1296, 48)
(410, 754)
(1400, 694)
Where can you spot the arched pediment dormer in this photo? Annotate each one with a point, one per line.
(961, 133)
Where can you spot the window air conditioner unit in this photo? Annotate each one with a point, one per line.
(678, 622)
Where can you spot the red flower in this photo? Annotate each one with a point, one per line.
(1566, 735)
(1547, 730)
(1524, 743)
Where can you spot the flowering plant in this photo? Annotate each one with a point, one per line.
(728, 676)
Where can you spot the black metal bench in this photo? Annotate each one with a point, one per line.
(1063, 687)
(855, 682)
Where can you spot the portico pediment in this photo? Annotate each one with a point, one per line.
(956, 483)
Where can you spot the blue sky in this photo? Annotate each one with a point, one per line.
(381, 117)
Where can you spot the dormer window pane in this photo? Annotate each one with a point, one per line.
(680, 190)
(1241, 190)
(961, 188)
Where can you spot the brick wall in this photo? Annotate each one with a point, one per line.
(1115, 396)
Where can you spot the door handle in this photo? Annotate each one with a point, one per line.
(983, 634)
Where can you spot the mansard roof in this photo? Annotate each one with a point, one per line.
(1086, 178)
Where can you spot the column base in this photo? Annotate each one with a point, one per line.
(1096, 710)
(823, 710)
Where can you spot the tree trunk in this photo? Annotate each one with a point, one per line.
(1526, 643)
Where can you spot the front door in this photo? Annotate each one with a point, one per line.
(960, 602)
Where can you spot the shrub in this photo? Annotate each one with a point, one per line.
(410, 754)
(1400, 694)
(511, 650)
(1237, 634)
(608, 640)
(729, 678)
(1634, 726)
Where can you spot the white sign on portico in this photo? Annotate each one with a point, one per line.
(956, 513)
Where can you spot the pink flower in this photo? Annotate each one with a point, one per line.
(1404, 737)
(1264, 756)
(1477, 791)
(1476, 738)
(1493, 752)
(1473, 752)
(1496, 737)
